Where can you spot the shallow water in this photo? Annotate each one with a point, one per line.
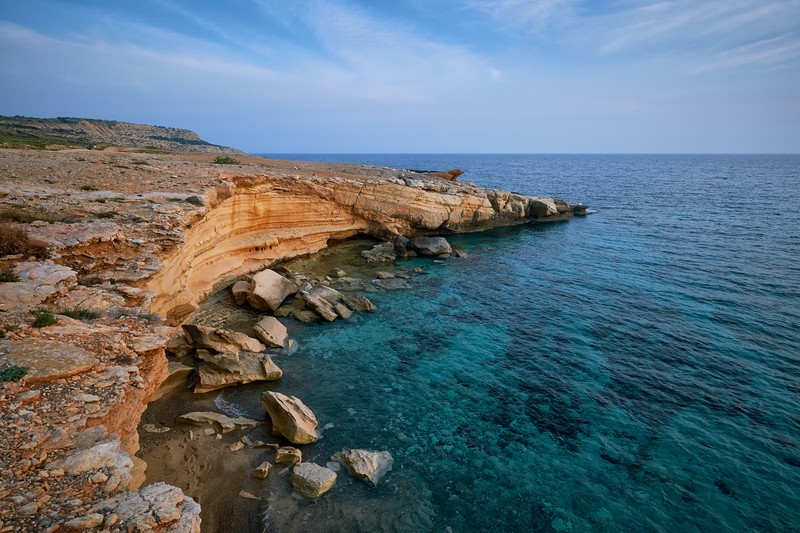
(633, 370)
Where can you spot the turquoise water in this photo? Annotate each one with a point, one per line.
(635, 370)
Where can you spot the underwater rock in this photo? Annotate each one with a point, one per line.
(380, 253)
(367, 465)
(312, 480)
(290, 417)
(358, 302)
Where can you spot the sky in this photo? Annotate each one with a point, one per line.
(414, 76)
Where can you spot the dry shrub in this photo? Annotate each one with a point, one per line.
(15, 240)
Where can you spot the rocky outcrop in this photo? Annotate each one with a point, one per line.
(260, 220)
(312, 480)
(158, 507)
(367, 465)
(290, 417)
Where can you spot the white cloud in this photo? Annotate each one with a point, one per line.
(534, 16)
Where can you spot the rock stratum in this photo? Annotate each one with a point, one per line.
(138, 240)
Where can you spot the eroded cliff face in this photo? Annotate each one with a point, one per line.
(260, 221)
(154, 239)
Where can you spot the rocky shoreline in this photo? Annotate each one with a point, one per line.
(135, 241)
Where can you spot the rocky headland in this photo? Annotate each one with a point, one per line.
(120, 247)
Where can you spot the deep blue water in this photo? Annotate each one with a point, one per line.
(635, 370)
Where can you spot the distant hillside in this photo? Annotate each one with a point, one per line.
(56, 133)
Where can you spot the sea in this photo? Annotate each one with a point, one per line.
(634, 370)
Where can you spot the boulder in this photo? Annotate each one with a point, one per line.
(326, 293)
(357, 302)
(338, 273)
(541, 207)
(380, 253)
(364, 464)
(431, 246)
(290, 417)
(342, 310)
(220, 340)
(270, 289)
(312, 480)
(288, 455)
(241, 290)
(271, 332)
(230, 368)
(320, 306)
(262, 470)
(222, 422)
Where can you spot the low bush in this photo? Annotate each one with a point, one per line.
(13, 373)
(194, 200)
(107, 214)
(15, 240)
(80, 314)
(226, 160)
(44, 318)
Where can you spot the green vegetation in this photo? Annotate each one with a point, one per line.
(194, 200)
(80, 314)
(15, 240)
(44, 318)
(13, 373)
(88, 188)
(107, 214)
(8, 277)
(33, 141)
(26, 216)
(226, 160)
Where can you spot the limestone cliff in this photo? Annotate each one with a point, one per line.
(258, 221)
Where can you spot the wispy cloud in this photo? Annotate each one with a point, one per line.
(533, 16)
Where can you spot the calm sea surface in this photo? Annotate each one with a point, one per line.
(635, 370)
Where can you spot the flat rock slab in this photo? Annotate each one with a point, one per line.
(37, 282)
(225, 423)
(47, 360)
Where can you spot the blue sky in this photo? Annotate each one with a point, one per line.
(535, 76)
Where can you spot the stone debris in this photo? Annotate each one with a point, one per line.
(262, 470)
(157, 507)
(288, 455)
